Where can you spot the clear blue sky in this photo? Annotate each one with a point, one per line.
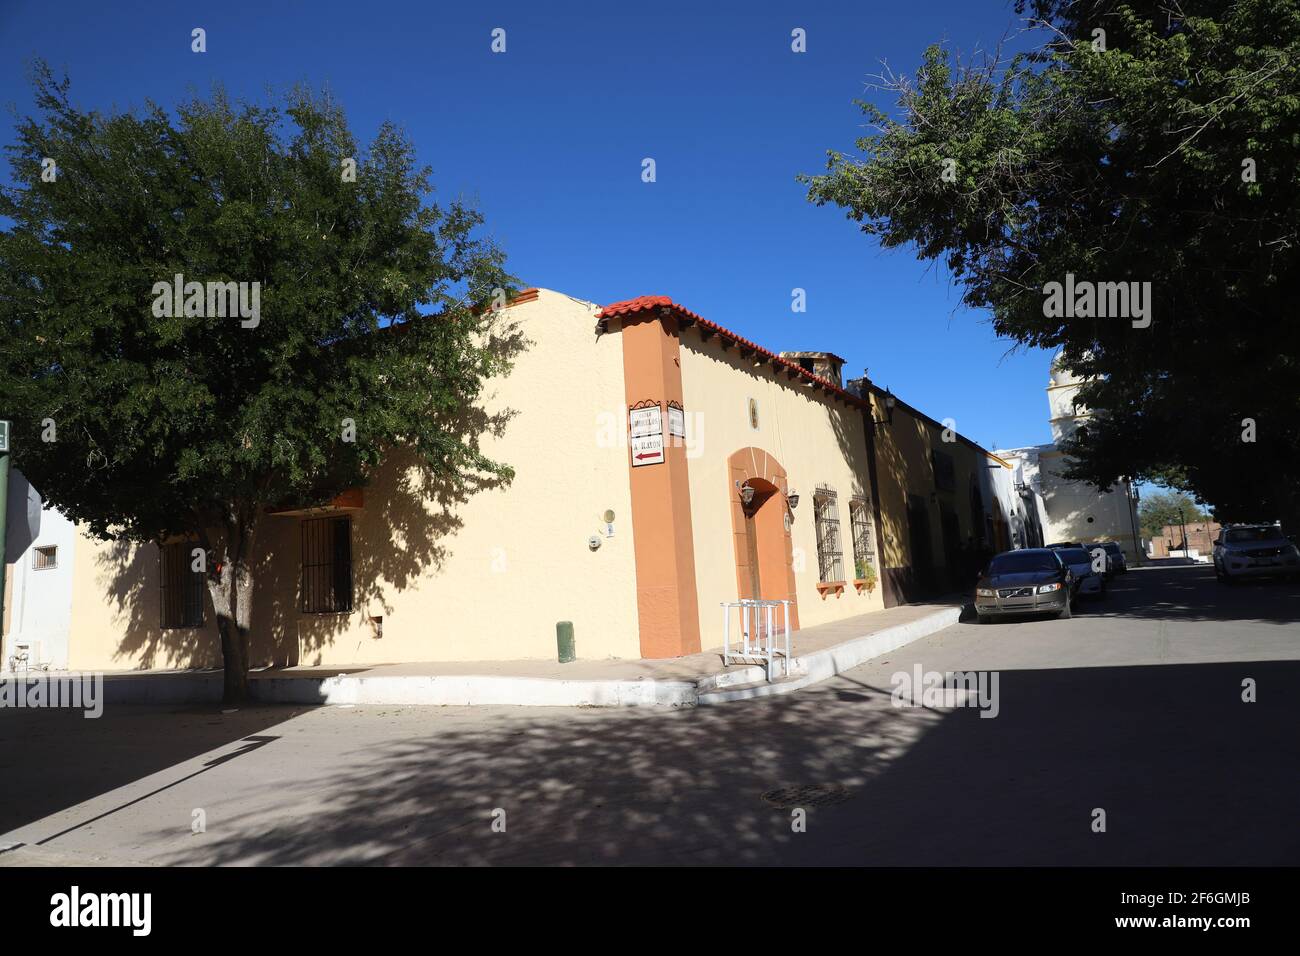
(548, 138)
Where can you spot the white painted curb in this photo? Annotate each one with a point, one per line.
(472, 690)
(743, 683)
(446, 691)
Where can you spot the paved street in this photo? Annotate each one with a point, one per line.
(1133, 706)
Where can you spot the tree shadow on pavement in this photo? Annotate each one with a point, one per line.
(1178, 594)
(1186, 772)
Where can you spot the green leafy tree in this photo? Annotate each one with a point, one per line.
(1144, 141)
(1160, 508)
(370, 331)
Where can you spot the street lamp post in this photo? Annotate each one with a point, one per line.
(1133, 495)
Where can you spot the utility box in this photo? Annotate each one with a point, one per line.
(564, 642)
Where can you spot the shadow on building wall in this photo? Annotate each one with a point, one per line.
(939, 512)
(403, 532)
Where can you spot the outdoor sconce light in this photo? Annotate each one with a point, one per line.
(746, 493)
(890, 402)
(793, 500)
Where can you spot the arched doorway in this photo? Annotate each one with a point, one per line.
(761, 528)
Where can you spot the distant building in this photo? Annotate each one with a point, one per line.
(39, 549)
(1019, 500)
(1074, 510)
(1200, 538)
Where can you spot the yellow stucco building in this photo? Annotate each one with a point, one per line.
(397, 572)
(663, 465)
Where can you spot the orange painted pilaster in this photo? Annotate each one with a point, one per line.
(667, 604)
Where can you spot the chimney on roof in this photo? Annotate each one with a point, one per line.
(825, 365)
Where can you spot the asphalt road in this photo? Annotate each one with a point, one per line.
(1134, 707)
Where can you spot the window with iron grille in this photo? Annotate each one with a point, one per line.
(864, 548)
(830, 552)
(945, 470)
(180, 586)
(326, 565)
(46, 558)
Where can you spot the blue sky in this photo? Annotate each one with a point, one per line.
(548, 138)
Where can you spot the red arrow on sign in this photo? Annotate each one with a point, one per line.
(655, 454)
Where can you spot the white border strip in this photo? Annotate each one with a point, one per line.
(471, 690)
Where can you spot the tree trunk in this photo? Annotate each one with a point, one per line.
(234, 663)
(231, 588)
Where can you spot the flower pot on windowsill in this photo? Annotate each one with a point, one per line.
(828, 587)
(865, 576)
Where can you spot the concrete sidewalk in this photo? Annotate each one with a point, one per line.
(818, 652)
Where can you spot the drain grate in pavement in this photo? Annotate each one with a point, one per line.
(807, 795)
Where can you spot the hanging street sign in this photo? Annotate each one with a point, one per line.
(645, 421)
(646, 434)
(676, 421)
(647, 450)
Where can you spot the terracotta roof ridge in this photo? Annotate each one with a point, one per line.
(646, 303)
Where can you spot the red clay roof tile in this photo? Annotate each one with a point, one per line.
(646, 303)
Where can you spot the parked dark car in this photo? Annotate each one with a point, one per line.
(1028, 581)
(1116, 562)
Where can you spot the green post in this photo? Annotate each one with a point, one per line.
(564, 641)
(6, 429)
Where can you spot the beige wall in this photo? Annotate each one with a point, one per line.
(480, 579)
(115, 613)
(818, 440)
(903, 469)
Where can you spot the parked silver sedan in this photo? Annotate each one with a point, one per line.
(1089, 573)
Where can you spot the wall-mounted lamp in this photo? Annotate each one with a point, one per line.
(747, 493)
(890, 402)
(792, 500)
